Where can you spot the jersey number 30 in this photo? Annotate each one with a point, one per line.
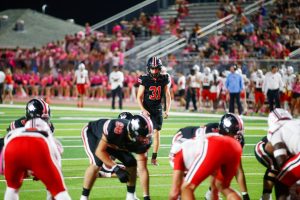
(156, 92)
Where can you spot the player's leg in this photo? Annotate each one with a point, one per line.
(91, 173)
(157, 120)
(131, 167)
(45, 167)
(156, 144)
(13, 168)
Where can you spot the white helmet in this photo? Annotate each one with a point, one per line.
(196, 68)
(290, 70)
(239, 71)
(259, 73)
(215, 72)
(81, 66)
(206, 70)
(277, 115)
(225, 73)
(38, 124)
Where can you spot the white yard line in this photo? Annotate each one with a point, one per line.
(133, 111)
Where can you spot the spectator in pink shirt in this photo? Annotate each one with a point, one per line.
(116, 29)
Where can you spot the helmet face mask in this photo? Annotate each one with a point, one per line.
(154, 66)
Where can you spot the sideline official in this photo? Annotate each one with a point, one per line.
(272, 85)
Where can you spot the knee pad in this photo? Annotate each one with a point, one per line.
(130, 162)
(63, 196)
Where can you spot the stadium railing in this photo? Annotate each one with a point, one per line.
(211, 28)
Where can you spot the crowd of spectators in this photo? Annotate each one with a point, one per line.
(263, 35)
(271, 34)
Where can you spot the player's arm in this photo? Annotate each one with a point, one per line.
(178, 176)
(280, 153)
(143, 172)
(279, 148)
(140, 97)
(241, 179)
(176, 184)
(168, 100)
(87, 80)
(102, 154)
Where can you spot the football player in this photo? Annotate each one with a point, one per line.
(194, 132)
(288, 81)
(153, 86)
(35, 108)
(33, 148)
(104, 171)
(267, 160)
(257, 83)
(118, 138)
(283, 134)
(206, 82)
(81, 78)
(199, 158)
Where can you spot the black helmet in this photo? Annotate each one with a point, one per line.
(139, 127)
(231, 124)
(154, 63)
(125, 115)
(37, 108)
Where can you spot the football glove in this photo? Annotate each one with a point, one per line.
(122, 174)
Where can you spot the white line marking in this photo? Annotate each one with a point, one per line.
(132, 111)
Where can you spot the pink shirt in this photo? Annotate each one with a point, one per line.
(296, 87)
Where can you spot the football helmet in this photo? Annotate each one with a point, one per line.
(125, 115)
(215, 72)
(38, 108)
(81, 66)
(259, 73)
(154, 63)
(290, 70)
(196, 68)
(278, 114)
(231, 124)
(206, 70)
(140, 129)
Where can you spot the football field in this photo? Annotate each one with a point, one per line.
(68, 122)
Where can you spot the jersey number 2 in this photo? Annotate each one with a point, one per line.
(156, 92)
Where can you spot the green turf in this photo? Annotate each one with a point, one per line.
(68, 124)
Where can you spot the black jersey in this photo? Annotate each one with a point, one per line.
(115, 131)
(190, 132)
(21, 123)
(153, 89)
(17, 124)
